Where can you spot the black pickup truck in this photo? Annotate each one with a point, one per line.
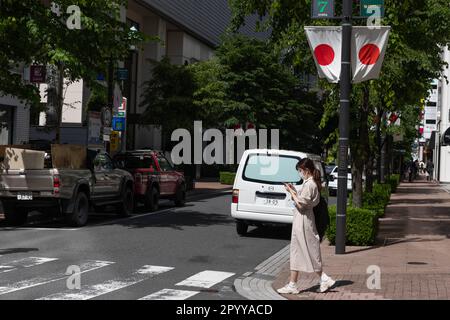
(71, 192)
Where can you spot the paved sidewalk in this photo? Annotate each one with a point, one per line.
(412, 252)
(208, 188)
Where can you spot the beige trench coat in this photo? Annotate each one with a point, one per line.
(305, 253)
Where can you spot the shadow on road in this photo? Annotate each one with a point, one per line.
(17, 250)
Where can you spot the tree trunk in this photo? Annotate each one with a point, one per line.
(369, 174)
(59, 102)
(362, 147)
(383, 162)
(379, 145)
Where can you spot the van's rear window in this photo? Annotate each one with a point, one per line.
(272, 169)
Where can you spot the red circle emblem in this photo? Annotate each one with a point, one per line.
(369, 54)
(324, 54)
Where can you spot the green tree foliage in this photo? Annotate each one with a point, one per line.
(243, 83)
(168, 98)
(31, 32)
(419, 30)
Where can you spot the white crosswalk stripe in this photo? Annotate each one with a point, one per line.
(91, 291)
(170, 294)
(24, 263)
(34, 282)
(205, 279)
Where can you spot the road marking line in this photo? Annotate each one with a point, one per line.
(24, 263)
(205, 279)
(170, 294)
(89, 292)
(34, 282)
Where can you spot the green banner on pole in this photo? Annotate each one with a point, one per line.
(323, 9)
(371, 8)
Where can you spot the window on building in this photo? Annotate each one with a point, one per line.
(431, 122)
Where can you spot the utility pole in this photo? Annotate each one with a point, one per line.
(344, 124)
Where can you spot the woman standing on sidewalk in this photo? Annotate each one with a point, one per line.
(305, 252)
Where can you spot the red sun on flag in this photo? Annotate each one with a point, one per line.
(369, 54)
(324, 54)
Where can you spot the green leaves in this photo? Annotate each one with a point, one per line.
(45, 39)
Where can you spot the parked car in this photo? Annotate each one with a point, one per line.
(71, 192)
(333, 184)
(154, 177)
(259, 196)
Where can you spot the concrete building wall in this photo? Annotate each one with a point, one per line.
(19, 130)
(73, 103)
(444, 164)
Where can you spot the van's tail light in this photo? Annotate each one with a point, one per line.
(138, 178)
(235, 196)
(56, 184)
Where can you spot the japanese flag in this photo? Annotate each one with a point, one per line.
(326, 45)
(368, 50)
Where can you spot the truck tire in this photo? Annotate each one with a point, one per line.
(126, 205)
(151, 201)
(15, 216)
(79, 216)
(241, 228)
(180, 198)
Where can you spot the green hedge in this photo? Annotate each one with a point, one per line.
(378, 199)
(227, 177)
(362, 226)
(394, 181)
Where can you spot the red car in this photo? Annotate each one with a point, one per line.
(154, 177)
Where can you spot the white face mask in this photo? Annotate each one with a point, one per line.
(302, 177)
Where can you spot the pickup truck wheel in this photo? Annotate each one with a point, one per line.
(180, 199)
(79, 216)
(126, 206)
(241, 228)
(152, 200)
(15, 216)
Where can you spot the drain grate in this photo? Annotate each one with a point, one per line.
(417, 263)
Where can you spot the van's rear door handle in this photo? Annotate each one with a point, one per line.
(271, 195)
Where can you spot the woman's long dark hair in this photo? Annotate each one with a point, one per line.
(308, 165)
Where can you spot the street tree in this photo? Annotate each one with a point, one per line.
(419, 30)
(79, 38)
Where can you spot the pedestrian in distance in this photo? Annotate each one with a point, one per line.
(305, 255)
(430, 169)
(412, 171)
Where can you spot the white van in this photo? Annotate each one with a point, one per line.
(259, 196)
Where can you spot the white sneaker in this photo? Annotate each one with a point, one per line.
(326, 285)
(288, 289)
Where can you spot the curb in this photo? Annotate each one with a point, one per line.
(257, 285)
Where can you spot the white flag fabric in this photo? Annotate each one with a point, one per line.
(368, 51)
(326, 45)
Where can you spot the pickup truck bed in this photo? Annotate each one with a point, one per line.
(71, 192)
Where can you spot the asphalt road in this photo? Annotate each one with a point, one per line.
(191, 252)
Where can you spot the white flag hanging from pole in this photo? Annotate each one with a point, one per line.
(326, 45)
(368, 51)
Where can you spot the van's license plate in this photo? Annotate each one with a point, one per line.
(25, 196)
(270, 202)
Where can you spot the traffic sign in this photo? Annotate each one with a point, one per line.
(118, 124)
(323, 9)
(119, 114)
(122, 74)
(370, 8)
(123, 105)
